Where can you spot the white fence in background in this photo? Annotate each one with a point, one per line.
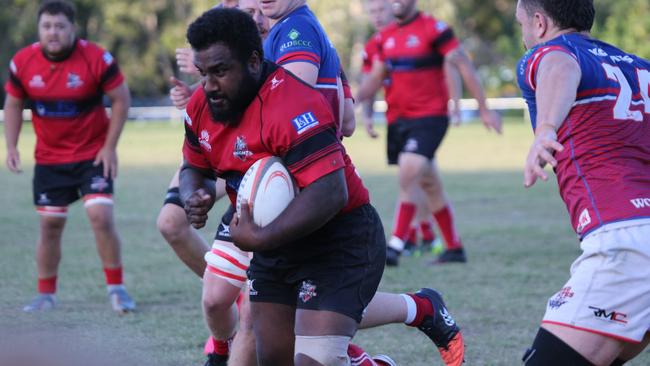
(170, 113)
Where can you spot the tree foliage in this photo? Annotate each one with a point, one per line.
(144, 34)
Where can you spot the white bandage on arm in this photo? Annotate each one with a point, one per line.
(326, 350)
(228, 263)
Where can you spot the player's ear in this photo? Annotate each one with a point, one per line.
(541, 23)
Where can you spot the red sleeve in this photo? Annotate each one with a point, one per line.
(192, 152)
(535, 59)
(370, 53)
(304, 136)
(107, 71)
(442, 37)
(14, 85)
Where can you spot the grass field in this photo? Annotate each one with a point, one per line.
(519, 242)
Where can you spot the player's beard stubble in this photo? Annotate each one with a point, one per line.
(231, 108)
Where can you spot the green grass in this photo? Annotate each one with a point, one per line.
(519, 242)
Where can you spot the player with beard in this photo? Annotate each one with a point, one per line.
(590, 112)
(224, 137)
(221, 285)
(413, 50)
(65, 79)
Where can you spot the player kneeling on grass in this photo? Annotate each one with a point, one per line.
(65, 78)
(590, 110)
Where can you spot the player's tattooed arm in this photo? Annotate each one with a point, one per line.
(197, 190)
(557, 81)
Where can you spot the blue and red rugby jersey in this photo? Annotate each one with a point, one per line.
(414, 53)
(299, 37)
(604, 171)
(66, 99)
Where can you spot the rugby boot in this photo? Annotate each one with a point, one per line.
(441, 328)
(120, 300)
(42, 302)
(451, 256)
(383, 360)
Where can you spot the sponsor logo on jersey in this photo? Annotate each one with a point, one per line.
(108, 58)
(241, 151)
(583, 220)
(74, 81)
(293, 34)
(186, 118)
(640, 202)
(597, 51)
(441, 26)
(275, 82)
(295, 43)
(204, 140)
(307, 291)
(43, 199)
(37, 82)
(412, 41)
(561, 298)
(304, 122)
(98, 183)
(611, 316)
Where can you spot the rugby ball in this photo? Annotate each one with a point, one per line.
(268, 188)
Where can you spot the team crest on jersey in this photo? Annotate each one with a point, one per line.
(98, 184)
(561, 298)
(241, 151)
(583, 220)
(390, 43)
(37, 82)
(412, 41)
(74, 81)
(304, 122)
(307, 291)
(204, 140)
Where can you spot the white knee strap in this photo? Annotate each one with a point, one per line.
(228, 263)
(326, 350)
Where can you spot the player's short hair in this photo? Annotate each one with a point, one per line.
(567, 14)
(232, 27)
(55, 7)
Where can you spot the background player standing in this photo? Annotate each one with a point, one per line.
(65, 79)
(413, 49)
(590, 110)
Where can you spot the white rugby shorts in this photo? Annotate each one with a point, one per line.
(609, 289)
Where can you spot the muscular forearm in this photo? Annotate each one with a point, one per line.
(329, 194)
(192, 179)
(13, 111)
